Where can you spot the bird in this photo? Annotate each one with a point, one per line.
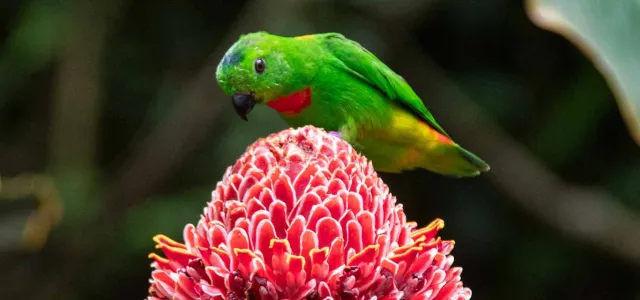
(329, 81)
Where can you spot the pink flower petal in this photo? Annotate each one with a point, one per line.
(278, 214)
(319, 266)
(335, 205)
(301, 183)
(354, 236)
(317, 212)
(366, 220)
(296, 276)
(328, 230)
(264, 237)
(306, 203)
(309, 241)
(294, 234)
(284, 191)
(302, 215)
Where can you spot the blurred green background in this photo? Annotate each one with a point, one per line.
(112, 129)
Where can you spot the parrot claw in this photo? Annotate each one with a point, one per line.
(335, 133)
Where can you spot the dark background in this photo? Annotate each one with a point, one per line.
(109, 110)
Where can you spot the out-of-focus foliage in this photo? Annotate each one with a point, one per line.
(608, 32)
(47, 213)
(35, 38)
(157, 135)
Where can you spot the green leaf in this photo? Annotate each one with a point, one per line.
(33, 43)
(607, 32)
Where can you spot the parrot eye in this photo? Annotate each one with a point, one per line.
(259, 65)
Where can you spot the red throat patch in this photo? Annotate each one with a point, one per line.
(292, 104)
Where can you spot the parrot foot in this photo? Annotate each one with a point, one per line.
(336, 134)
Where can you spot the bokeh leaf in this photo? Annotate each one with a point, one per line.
(607, 31)
(33, 43)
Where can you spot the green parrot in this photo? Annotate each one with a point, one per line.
(331, 82)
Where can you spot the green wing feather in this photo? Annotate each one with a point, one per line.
(365, 66)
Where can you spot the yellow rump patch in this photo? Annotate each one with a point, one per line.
(304, 37)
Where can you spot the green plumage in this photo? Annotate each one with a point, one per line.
(363, 65)
(352, 92)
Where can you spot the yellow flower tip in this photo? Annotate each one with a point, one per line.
(159, 237)
(219, 251)
(301, 259)
(158, 258)
(273, 242)
(162, 239)
(439, 223)
(433, 243)
(368, 252)
(315, 251)
(179, 250)
(238, 251)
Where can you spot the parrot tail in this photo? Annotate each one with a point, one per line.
(454, 161)
(474, 160)
(461, 163)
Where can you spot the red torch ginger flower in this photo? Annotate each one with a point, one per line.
(301, 215)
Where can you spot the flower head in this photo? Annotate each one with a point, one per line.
(301, 215)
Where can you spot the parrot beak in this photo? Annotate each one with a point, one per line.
(243, 103)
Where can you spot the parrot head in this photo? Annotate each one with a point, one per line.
(258, 68)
